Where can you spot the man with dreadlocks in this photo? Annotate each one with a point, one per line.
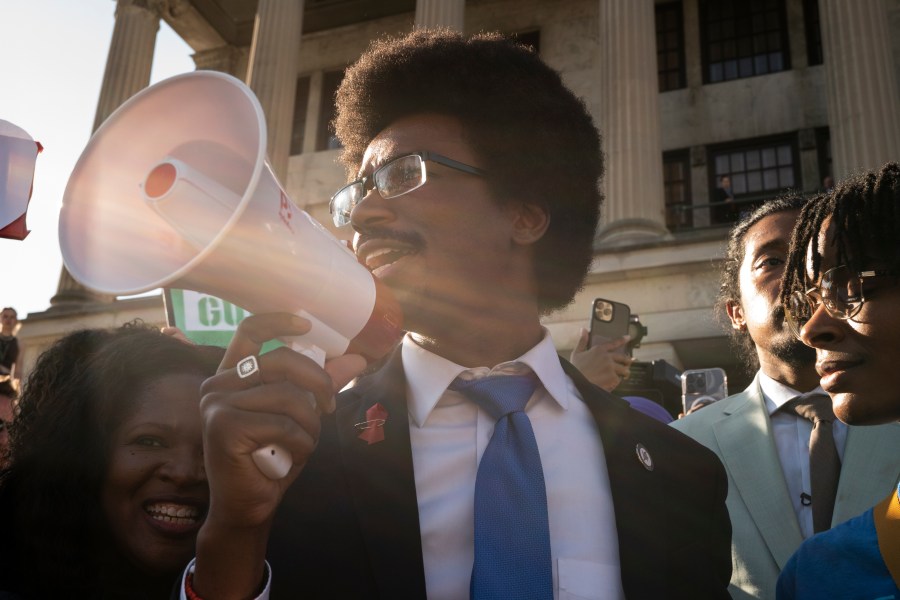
(761, 440)
(841, 291)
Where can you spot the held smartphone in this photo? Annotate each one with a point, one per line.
(706, 385)
(609, 321)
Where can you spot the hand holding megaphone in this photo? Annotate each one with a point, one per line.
(243, 370)
(173, 190)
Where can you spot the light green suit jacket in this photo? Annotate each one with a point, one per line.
(765, 531)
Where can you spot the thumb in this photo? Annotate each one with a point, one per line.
(582, 341)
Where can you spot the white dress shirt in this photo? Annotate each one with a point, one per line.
(449, 434)
(791, 433)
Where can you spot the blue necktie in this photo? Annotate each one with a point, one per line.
(512, 533)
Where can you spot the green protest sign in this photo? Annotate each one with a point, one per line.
(205, 319)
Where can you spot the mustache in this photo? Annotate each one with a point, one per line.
(410, 238)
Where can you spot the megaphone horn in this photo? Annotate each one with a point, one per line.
(173, 190)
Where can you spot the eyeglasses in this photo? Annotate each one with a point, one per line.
(840, 292)
(400, 176)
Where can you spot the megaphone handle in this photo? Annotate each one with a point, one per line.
(273, 461)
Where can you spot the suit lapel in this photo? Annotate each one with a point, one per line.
(869, 471)
(628, 485)
(748, 453)
(381, 480)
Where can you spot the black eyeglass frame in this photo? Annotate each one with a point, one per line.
(368, 182)
(813, 297)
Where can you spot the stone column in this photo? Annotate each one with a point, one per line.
(225, 59)
(272, 76)
(313, 107)
(446, 13)
(130, 54)
(629, 121)
(861, 85)
(127, 72)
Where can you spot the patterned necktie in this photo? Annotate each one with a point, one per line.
(824, 462)
(512, 533)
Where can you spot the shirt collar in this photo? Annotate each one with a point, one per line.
(776, 394)
(428, 375)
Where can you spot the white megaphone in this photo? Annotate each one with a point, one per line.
(173, 190)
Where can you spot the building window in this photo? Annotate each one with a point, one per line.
(669, 46)
(301, 102)
(823, 148)
(744, 175)
(325, 138)
(813, 32)
(677, 189)
(743, 38)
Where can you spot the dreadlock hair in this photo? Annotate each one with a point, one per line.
(80, 391)
(730, 287)
(532, 135)
(865, 212)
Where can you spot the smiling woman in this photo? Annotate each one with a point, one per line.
(105, 490)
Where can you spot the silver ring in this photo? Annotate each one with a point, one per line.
(248, 366)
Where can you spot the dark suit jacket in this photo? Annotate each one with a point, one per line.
(349, 526)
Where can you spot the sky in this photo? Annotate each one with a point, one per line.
(52, 57)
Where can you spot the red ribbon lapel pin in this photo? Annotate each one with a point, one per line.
(372, 429)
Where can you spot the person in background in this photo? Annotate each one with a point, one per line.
(607, 367)
(726, 210)
(602, 365)
(105, 489)
(474, 198)
(9, 346)
(759, 435)
(842, 295)
(7, 406)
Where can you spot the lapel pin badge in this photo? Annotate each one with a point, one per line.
(644, 457)
(372, 429)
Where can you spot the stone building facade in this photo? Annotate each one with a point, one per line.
(775, 94)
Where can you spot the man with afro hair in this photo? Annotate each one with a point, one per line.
(474, 195)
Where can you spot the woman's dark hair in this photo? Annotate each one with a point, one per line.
(81, 389)
(730, 286)
(532, 135)
(865, 210)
